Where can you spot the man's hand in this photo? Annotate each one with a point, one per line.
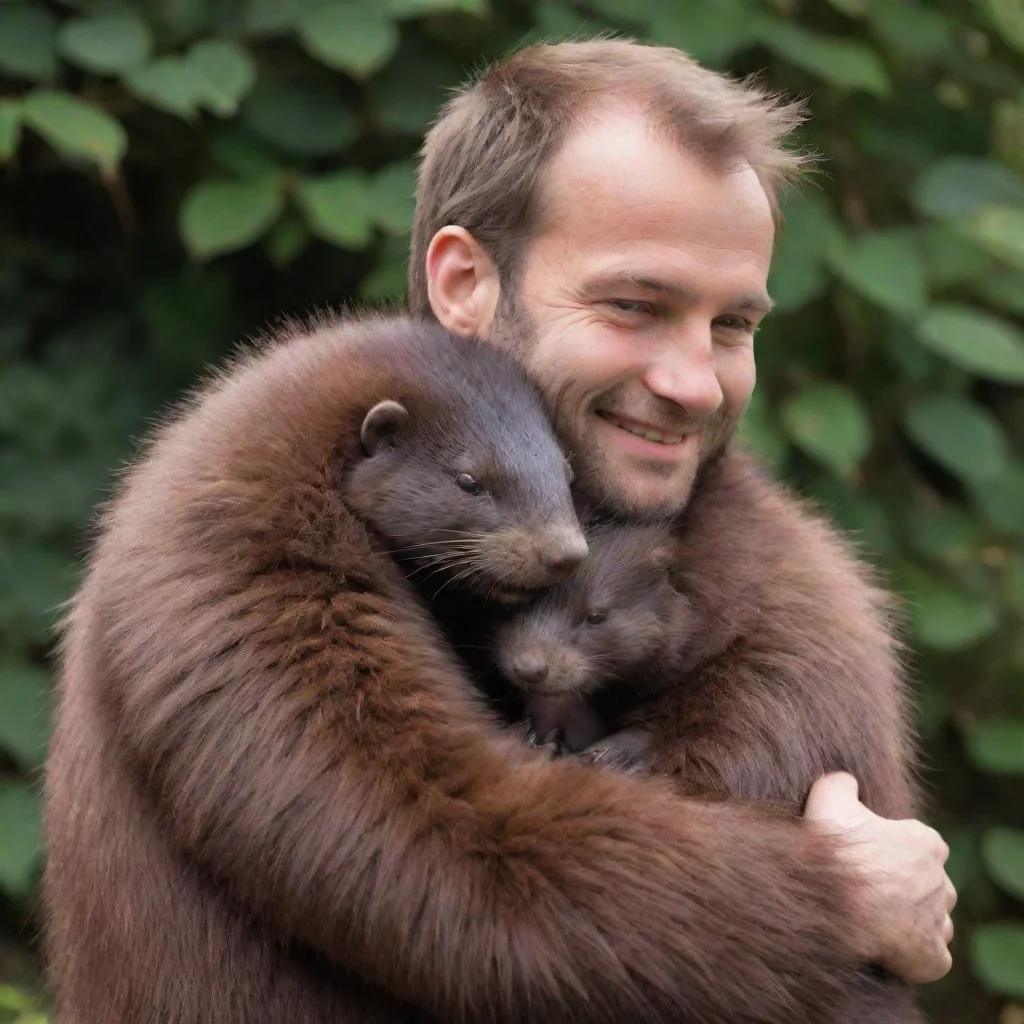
(905, 916)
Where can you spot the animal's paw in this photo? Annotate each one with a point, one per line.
(628, 750)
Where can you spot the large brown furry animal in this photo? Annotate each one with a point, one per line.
(741, 652)
(274, 797)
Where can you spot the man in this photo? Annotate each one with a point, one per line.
(608, 210)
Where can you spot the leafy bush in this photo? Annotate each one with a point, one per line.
(180, 172)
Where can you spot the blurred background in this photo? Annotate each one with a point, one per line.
(179, 173)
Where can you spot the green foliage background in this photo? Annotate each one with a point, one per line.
(178, 173)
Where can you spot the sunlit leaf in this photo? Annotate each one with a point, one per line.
(959, 434)
(1000, 231)
(843, 62)
(959, 185)
(357, 37)
(227, 71)
(299, 117)
(997, 957)
(170, 84)
(996, 747)
(221, 216)
(109, 41)
(76, 128)
(829, 423)
(10, 128)
(884, 268)
(19, 837)
(975, 341)
(945, 619)
(1003, 852)
(1007, 16)
(24, 723)
(28, 42)
(336, 208)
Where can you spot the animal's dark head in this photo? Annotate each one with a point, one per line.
(459, 471)
(619, 618)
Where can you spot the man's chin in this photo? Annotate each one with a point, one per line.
(636, 495)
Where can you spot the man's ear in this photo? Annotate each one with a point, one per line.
(462, 282)
(381, 426)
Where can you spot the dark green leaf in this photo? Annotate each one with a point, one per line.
(711, 31)
(829, 423)
(852, 8)
(1003, 288)
(270, 17)
(392, 197)
(843, 62)
(884, 268)
(1000, 231)
(357, 37)
(221, 216)
(10, 128)
(336, 208)
(997, 957)
(975, 341)
(1001, 499)
(1007, 17)
(170, 84)
(386, 283)
(913, 30)
(950, 620)
(299, 117)
(949, 259)
(108, 42)
(946, 533)
(27, 42)
(19, 838)
(287, 239)
(760, 432)
(960, 435)
(996, 747)
(76, 128)
(227, 71)
(24, 713)
(420, 8)
(809, 230)
(236, 151)
(1003, 852)
(959, 185)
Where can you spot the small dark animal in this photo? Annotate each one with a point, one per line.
(273, 794)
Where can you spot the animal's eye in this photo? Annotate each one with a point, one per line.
(468, 483)
(595, 618)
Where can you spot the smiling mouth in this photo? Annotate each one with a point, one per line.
(648, 433)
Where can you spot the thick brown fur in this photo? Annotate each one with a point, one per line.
(273, 795)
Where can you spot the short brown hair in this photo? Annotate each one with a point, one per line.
(483, 160)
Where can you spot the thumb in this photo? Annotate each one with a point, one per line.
(833, 796)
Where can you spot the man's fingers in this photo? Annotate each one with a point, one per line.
(833, 796)
(947, 930)
(950, 896)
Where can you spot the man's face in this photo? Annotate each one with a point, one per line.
(638, 300)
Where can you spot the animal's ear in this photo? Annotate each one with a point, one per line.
(382, 425)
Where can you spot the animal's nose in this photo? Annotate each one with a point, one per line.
(564, 556)
(530, 668)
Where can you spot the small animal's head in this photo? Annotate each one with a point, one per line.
(619, 618)
(462, 475)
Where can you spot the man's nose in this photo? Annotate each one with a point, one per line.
(686, 373)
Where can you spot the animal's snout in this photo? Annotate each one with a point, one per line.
(562, 554)
(529, 668)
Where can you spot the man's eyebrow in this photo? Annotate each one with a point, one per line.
(757, 303)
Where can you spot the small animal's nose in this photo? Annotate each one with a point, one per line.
(530, 668)
(563, 558)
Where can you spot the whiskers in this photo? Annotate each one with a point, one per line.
(457, 554)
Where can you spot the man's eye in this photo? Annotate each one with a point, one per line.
(631, 306)
(736, 323)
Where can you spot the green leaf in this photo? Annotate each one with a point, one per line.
(959, 185)
(387, 281)
(884, 268)
(357, 38)
(392, 197)
(336, 208)
(1003, 288)
(959, 434)
(1000, 231)
(711, 31)
(10, 128)
(287, 239)
(997, 957)
(949, 259)
(222, 216)
(850, 65)
(24, 722)
(1007, 16)
(945, 619)
(270, 17)
(235, 151)
(946, 532)
(13, 1000)
(227, 71)
(913, 30)
(421, 8)
(975, 341)
(1001, 499)
(170, 84)
(809, 229)
(829, 423)
(19, 838)
(1002, 850)
(109, 42)
(299, 117)
(760, 432)
(852, 8)
(28, 42)
(76, 128)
